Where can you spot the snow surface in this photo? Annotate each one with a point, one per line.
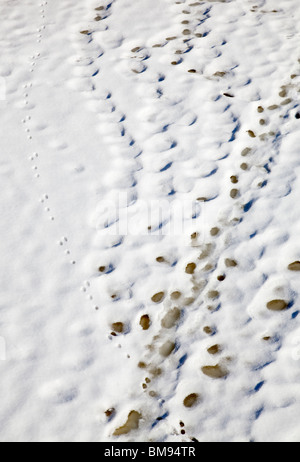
(110, 119)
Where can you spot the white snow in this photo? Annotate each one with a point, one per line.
(139, 138)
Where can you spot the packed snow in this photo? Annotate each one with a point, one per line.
(150, 173)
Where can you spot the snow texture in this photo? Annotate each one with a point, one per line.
(150, 178)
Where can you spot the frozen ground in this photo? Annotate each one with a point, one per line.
(125, 326)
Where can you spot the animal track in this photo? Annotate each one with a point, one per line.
(31, 138)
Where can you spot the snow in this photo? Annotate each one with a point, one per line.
(137, 139)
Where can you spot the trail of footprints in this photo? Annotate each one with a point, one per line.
(172, 316)
(33, 159)
(108, 112)
(35, 156)
(175, 304)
